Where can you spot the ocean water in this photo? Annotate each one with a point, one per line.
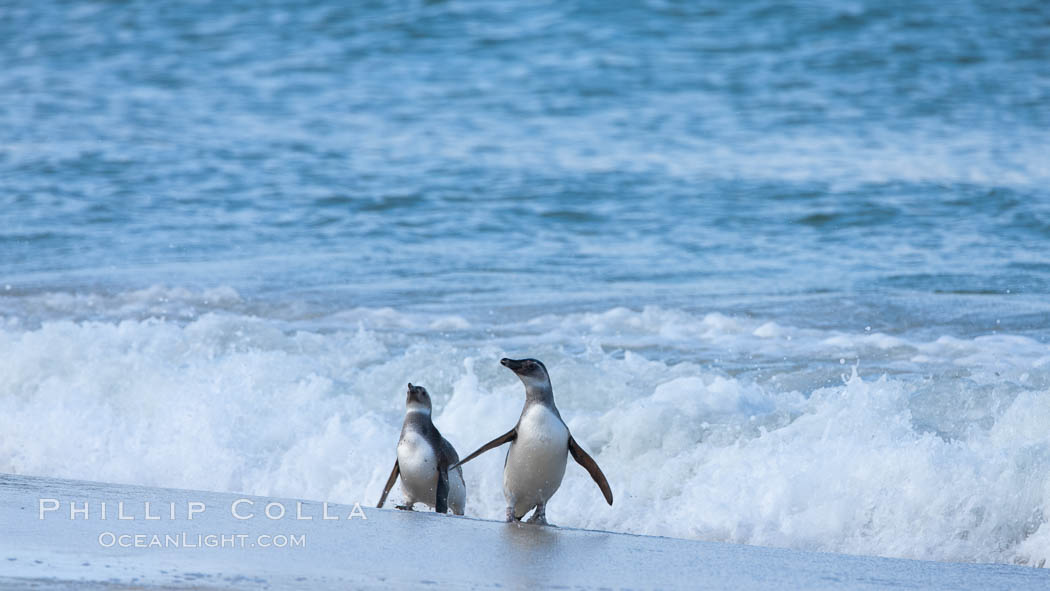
(786, 262)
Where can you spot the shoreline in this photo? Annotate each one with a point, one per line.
(364, 547)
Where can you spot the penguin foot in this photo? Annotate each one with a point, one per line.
(510, 515)
(403, 507)
(540, 516)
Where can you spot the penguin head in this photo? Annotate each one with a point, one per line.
(418, 399)
(531, 372)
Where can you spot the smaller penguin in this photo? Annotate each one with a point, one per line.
(425, 460)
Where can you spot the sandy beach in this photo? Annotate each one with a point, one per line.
(231, 542)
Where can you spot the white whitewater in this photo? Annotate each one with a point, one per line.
(797, 438)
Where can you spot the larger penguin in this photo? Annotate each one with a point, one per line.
(425, 461)
(539, 444)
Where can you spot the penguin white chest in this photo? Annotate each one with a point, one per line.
(536, 459)
(418, 463)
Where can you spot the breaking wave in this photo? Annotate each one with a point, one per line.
(708, 426)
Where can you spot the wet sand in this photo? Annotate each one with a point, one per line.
(393, 549)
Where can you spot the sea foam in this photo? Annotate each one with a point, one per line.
(707, 426)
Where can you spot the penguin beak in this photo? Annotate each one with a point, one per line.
(512, 364)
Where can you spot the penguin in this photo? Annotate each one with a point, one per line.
(425, 461)
(539, 446)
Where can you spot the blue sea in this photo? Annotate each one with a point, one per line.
(788, 263)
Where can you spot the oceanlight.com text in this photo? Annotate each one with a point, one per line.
(192, 541)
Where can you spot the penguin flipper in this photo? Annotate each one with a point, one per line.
(505, 438)
(389, 484)
(592, 468)
(442, 489)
